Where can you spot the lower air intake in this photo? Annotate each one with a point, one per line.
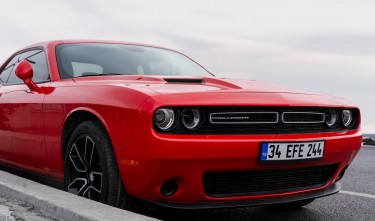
(244, 183)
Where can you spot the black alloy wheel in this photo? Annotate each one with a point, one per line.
(85, 169)
(90, 166)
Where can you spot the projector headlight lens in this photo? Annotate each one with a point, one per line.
(164, 118)
(191, 118)
(346, 117)
(331, 118)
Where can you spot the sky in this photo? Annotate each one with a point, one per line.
(317, 46)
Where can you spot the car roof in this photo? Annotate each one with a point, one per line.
(47, 44)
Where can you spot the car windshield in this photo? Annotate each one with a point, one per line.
(91, 59)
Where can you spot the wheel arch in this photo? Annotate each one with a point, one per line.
(74, 118)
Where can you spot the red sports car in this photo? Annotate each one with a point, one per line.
(115, 121)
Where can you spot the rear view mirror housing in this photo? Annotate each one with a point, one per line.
(25, 72)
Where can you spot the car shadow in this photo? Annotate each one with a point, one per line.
(248, 213)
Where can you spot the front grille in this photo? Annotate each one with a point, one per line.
(245, 183)
(298, 120)
(302, 117)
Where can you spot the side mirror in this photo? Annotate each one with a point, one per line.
(25, 72)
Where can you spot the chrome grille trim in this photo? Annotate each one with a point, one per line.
(303, 122)
(276, 115)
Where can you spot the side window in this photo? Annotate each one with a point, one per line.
(38, 61)
(8, 69)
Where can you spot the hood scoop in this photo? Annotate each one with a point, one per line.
(184, 80)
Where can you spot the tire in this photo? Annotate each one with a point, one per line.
(291, 205)
(90, 166)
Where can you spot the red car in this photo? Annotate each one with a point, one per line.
(115, 121)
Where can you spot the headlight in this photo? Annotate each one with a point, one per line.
(164, 118)
(346, 117)
(331, 118)
(191, 118)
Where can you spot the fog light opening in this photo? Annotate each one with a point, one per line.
(169, 188)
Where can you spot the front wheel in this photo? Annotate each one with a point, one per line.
(90, 168)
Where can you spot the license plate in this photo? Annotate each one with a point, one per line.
(291, 151)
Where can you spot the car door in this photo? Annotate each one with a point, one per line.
(22, 142)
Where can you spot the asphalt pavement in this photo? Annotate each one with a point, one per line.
(14, 210)
(356, 201)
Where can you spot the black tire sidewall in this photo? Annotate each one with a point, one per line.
(110, 177)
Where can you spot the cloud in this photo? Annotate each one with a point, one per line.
(368, 128)
(339, 43)
(320, 46)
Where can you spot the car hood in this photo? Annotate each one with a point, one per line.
(199, 85)
(178, 84)
(210, 91)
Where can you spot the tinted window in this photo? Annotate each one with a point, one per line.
(75, 60)
(8, 69)
(38, 61)
(5, 74)
(28, 54)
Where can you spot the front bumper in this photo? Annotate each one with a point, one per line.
(332, 189)
(152, 159)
